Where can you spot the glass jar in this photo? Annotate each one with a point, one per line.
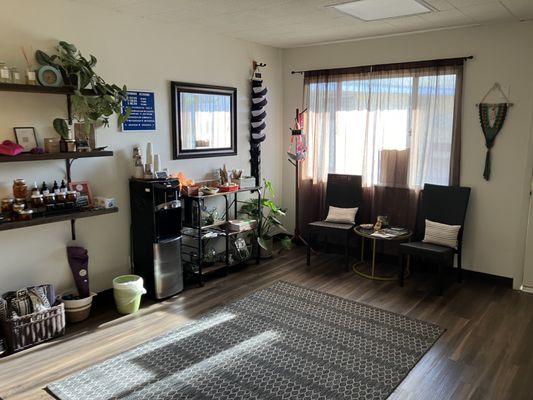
(50, 199)
(15, 75)
(20, 189)
(25, 215)
(20, 200)
(37, 200)
(31, 78)
(7, 205)
(61, 197)
(72, 196)
(18, 207)
(5, 74)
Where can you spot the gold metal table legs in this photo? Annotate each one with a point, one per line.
(356, 267)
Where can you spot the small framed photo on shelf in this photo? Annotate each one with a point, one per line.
(85, 198)
(25, 136)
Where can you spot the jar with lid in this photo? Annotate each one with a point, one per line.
(31, 77)
(72, 196)
(5, 74)
(20, 189)
(50, 199)
(18, 207)
(61, 197)
(20, 200)
(15, 75)
(7, 205)
(37, 200)
(25, 215)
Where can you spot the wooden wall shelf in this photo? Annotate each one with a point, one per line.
(22, 88)
(67, 91)
(55, 156)
(5, 226)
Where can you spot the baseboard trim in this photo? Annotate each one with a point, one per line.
(489, 277)
(526, 289)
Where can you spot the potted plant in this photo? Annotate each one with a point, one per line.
(270, 223)
(93, 100)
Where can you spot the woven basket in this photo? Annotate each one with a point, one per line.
(27, 331)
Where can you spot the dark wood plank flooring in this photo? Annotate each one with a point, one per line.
(486, 352)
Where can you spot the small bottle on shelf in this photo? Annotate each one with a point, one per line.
(5, 73)
(55, 188)
(15, 75)
(35, 189)
(31, 77)
(63, 187)
(44, 189)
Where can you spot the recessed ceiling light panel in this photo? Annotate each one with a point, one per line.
(373, 10)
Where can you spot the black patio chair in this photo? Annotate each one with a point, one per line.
(447, 205)
(343, 191)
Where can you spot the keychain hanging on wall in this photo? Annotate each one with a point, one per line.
(297, 146)
(491, 117)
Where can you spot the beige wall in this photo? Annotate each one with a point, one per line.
(143, 55)
(497, 215)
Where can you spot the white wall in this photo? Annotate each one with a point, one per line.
(142, 55)
(497, 215)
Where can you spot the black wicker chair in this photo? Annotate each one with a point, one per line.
(447, 205)
(341, 191)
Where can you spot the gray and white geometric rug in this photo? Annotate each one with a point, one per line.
(282, 342)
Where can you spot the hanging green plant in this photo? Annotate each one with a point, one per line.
(94, 100)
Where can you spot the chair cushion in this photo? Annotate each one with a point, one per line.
(425, 249)
(330, 225)
(341, 215)
(441, 234)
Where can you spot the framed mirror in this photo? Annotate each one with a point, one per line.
(204, 120)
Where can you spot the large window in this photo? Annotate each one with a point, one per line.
(395, 127)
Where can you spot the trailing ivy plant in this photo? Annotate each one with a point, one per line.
(270, 216)
(94, 100)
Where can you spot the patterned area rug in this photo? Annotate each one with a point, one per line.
(282, 342)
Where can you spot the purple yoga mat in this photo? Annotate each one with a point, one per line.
(78, 260)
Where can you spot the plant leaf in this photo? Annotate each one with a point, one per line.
(262, 243)
(61, 127)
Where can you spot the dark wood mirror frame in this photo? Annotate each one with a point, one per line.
(176, 88)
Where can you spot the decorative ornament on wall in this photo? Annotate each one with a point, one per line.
(297, 152)
(297, 146)
(257, 121)
(491, 117)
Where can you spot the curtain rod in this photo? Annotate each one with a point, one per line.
(384, 65)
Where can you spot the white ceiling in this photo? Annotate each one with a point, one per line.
(292, 23)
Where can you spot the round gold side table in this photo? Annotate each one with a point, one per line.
(371, 235)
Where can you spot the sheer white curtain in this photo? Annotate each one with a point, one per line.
(393, 127)
(396, 125)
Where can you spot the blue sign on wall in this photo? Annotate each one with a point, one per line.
(142, 117)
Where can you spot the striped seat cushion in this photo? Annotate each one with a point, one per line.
(441, 234)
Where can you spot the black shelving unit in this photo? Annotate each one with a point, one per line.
(69, 158)
(194, 254)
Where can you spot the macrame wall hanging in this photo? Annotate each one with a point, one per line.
(491, 117)
(257, 121)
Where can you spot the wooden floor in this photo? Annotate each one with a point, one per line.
(486, 352)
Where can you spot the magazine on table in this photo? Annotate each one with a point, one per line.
(388, 233)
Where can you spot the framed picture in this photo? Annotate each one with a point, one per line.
(85, 197)
(25, 136)
(84, 138)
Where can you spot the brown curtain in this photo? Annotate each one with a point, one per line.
(397, 125)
